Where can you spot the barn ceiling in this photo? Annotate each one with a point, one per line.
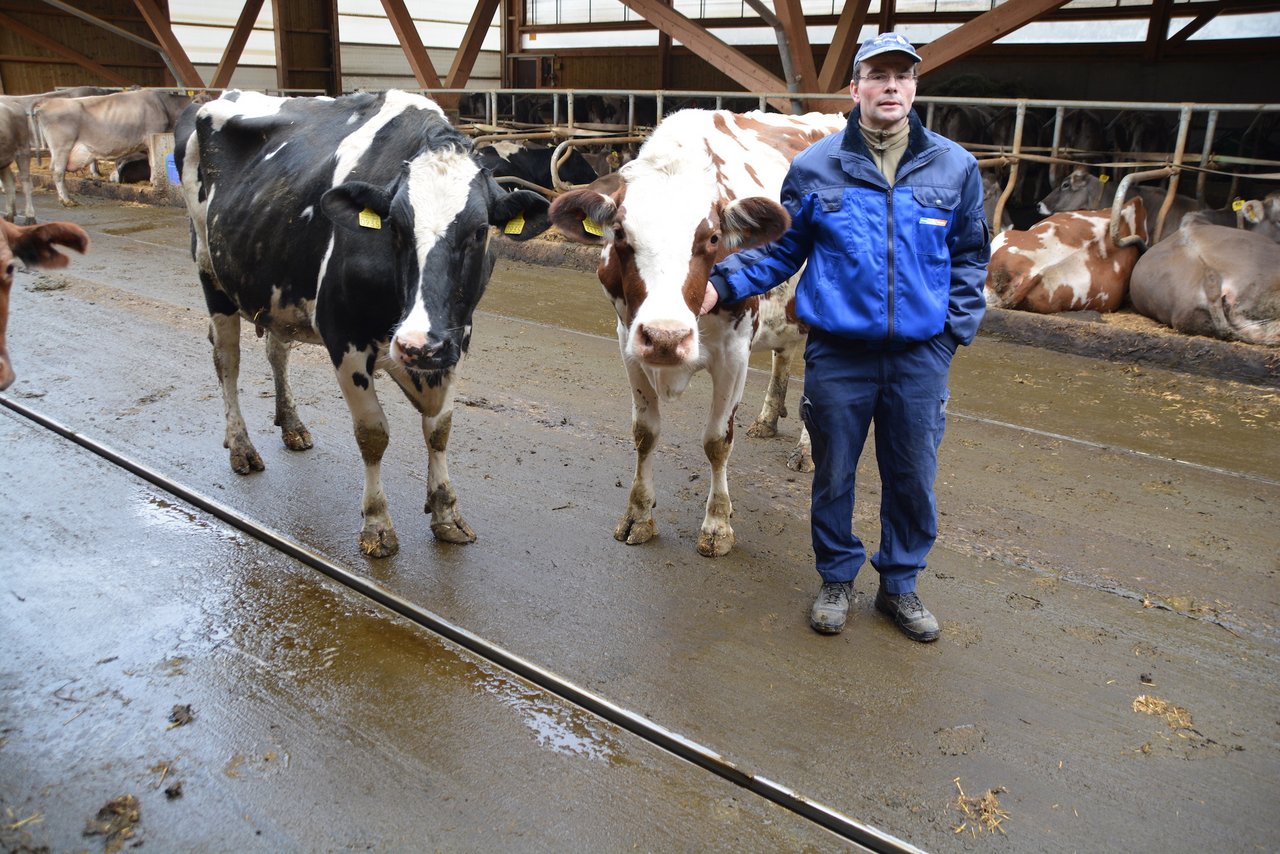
(307, 38)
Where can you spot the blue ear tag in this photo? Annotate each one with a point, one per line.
(369, 219)
(515, 225)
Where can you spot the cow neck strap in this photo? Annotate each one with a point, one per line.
(886, 148)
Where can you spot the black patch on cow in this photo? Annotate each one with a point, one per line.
(360, 379)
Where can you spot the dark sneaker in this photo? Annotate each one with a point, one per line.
(911, 616)
(831, 608)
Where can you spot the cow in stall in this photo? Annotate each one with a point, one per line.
(705, 184)
(531, 165)
(1261, 216)
(361, 223)
(1212, 280)
(34, 246)
(1066, 262)
(1082, 190)
(80, 131)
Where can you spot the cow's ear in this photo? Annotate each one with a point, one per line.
(520, 214)
(583, 215)
(752, 221)
(1253, 211)
(355, 205)
(36, 245)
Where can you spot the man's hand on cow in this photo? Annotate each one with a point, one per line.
(709, 299)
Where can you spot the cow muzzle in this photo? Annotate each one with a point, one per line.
(664, 343)
(420, 352)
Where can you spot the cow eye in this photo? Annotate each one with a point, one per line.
(715, 238)
(481, 233)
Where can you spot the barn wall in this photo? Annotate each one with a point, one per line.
(28, 67)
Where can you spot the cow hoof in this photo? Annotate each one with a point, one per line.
(455, 531)
(715, 543)
(801, 461)
(7, 376)
(379, 542)
(69, 203)
(297, 440)
(244, 461)
(762, 430)
(633, 532)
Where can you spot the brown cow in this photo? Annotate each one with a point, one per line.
(1066, 262)
(1084, 191)
(1212, 280)
(34, 246)
(79, 131)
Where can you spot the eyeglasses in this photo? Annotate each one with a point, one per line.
(880, 78)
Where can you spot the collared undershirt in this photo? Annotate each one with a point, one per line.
(886, 148)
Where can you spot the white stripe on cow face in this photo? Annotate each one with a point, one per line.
(353, 147)
(662, 212)
(439, 188)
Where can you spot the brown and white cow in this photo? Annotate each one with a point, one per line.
(705, 184)
(1066, 262)
(35, 246)
(1084, 191)
(1212, 280)
(80, 131)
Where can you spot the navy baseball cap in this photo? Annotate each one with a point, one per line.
(884, 43)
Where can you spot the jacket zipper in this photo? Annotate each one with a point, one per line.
(888, 333)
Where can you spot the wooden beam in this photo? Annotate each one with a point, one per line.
(411, 44)
(1196, 23)
(465, 59)
(21, 29)
(838, 66)
(1157, 29)
(173, 52)
(733, 63)
(982, 31)
(235, 47)
(802, 64)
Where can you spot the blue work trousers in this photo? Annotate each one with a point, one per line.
(848, 386)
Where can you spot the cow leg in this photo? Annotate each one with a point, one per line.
(23, 160)
(801, 458)
(447, 523)
(728, 378)
(378, 536)
(224, 335)
(292, 430)
(775, 396)
(58, 167)
(637, 524)
(7, 375)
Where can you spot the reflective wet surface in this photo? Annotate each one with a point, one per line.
(1108, 533)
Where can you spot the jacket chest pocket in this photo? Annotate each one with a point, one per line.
(932, 210)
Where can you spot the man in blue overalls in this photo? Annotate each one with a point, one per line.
(889, 217)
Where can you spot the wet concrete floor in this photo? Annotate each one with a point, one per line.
(1109, 539)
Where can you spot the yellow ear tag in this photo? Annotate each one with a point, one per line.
(1237, 204)
(515, 225)
(1104, 178)
(369, 219)
(590, 226)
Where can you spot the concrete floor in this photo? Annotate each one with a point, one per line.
(1109, 533)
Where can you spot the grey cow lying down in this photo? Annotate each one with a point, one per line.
(1212, 280)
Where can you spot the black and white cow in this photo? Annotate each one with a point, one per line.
(360, 223)
(532, 165)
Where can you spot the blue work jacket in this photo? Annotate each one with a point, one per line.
(887, 266)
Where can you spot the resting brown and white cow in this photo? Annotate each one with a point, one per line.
(1066, 262)
(1084, 191)
(1212, 280)
(361, 223)
(705, 184)
(79, 131)
(35, 246)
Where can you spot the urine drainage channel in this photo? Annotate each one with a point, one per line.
(870, 838)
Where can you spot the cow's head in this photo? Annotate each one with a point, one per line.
(1079, 191)
(434, 220)
(35, 246)
(661, 229)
